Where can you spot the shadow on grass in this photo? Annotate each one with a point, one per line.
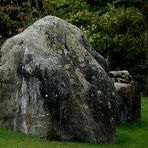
(134, 125)
(127, 132)
(123, 139)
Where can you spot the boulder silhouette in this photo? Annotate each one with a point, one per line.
(53, 84)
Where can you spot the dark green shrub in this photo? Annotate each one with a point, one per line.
(17, 15)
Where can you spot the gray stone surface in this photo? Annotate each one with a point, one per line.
(129, 96)
(53, 84)
(121, 76)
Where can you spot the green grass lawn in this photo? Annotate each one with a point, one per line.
(127, 136)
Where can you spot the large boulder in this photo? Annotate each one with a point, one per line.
(128, 95)
(53, 84)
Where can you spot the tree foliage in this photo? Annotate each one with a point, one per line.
(118, 35)
(16, 15)
(145, 12)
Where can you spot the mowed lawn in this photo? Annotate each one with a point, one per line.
(127, 136)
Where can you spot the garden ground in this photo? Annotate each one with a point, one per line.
(133, 135)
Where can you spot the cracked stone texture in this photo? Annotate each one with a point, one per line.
(129, 96)
(53, 84)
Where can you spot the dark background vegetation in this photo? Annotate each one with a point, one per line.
(115, 28)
